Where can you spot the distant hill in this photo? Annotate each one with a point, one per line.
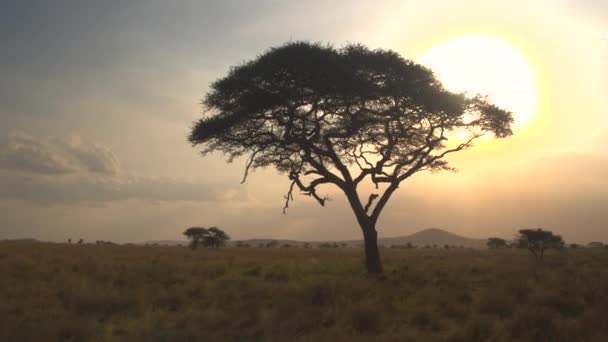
(166, 242)
(434, 236)
(278, 243)
(24, 240)
(430, 236)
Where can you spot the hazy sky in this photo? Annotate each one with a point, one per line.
(97, 97)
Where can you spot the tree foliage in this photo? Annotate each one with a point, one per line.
(206, 237)
(495, 242)
(538, 240)
(327, 116)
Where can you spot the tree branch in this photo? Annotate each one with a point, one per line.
(248, 166)
(382, 202)
(288, 197)
(308, 190)
(370, 200)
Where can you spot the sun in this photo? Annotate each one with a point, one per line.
(488, 65)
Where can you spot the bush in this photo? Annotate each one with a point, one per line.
(365, 318)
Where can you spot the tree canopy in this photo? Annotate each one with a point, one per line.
(495, 242)
(538, 240)
(324, 115)
(207, 237)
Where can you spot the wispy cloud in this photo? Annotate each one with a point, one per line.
(87, 189)
(24, 153)
(70, 170)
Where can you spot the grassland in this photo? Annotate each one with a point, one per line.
(59, 292)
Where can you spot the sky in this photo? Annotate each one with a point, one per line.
(97, 99)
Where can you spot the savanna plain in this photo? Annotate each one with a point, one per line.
(61, 292)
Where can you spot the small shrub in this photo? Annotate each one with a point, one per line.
(276, 274)
(535, 323)
(497, 303)
(479, 328)
(254, 271)
(365, 319)
(421, 319)
(565, 305)
(318, 294)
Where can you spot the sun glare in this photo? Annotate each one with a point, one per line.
(488, 65)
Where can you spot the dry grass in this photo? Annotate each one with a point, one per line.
(56, 292)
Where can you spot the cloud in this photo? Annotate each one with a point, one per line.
(25, 153)
(596, 9)
(71, 171)
(90, 190)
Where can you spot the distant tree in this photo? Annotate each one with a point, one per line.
(196, 235)
(242, 244)
(574, 245)
(339, 117)
(207, 237)
(306, 245)
(539, 240)
(404, 246)
(216, 238)
(272, 244)
(70, 241)
(286, 245)
(80, 241)
(495, 242)
(595, 244)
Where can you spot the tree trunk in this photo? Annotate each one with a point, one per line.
(372, 255)
(542, 253)
(373, 264)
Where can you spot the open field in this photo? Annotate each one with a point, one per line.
(58, 292)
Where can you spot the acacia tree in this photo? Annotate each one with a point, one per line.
(342, 117)
(207, 237)
(196, 235)
(215, 238)
(495, 242)
(539, 240)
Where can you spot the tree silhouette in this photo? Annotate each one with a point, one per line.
(215, 238)
(495, 242)
(342, 117)
(538, 240)
(207, 237)
(196, 235)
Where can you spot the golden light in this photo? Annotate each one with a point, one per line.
(488, 65)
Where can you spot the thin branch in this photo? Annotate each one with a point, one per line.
(248, 166)
(370, 200)
(308, 190)
(311, 189)
(288, 197)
